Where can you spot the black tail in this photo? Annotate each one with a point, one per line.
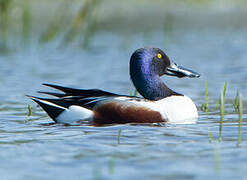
(52, 109)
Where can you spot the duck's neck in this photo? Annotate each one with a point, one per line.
(149, 84)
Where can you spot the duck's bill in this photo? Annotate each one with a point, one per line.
(179, 71)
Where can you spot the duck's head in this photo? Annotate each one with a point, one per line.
(147, 65)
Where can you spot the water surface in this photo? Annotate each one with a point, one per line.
(33, 149)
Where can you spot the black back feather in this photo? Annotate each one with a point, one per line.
(86, 98)
(79, 92)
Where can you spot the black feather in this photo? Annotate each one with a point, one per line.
(81, 92)
(52, 110)
(86, 98)
(53, 94)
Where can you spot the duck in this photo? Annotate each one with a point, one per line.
(158, 104)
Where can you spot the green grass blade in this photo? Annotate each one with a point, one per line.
(210, 135)
(130, 93)
(135, 92)
(206, 96)
(222, 111)
(240, 113)
(119, 135)
(236, 102)
(224, 90)
(202, 107)
(217, 105)
(26, 21)
(5, 11)
(111, 166)
(29, 110)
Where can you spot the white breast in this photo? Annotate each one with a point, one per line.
(178, 109)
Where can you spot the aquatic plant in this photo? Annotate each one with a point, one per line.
(236, 102)
(204, 107)
(133, 94)
(217, 104)
(119, 135)
(222, 111)
(4, 20)
(111, 165)
(224, 90)
(240, 112)
(238, 106)
(90, 30)
(55, 26)
(83, 16)
(19, 18)
(29, 112)
(210, 135)
(26, 21)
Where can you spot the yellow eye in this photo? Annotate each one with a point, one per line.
(159, 56)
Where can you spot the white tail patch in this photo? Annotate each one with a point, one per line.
(74, 114)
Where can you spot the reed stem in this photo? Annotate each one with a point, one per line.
(240, 112)
(222, 111)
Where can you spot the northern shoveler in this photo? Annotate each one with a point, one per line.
(159, 105)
